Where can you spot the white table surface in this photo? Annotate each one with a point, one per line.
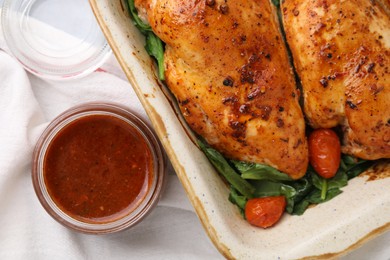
(200, 246)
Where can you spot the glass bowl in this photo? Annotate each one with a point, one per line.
(53, 39)
(84, 166)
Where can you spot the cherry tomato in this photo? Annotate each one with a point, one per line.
(265, 212)
(324, 152)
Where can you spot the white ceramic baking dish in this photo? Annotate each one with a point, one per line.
(331, 229)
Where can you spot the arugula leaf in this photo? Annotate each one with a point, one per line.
(155, 48)
(256, 171)
(223, 167)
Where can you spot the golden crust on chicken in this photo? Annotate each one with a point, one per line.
(228, 67)
(341, 51)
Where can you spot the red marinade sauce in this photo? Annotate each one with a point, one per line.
(98, 169)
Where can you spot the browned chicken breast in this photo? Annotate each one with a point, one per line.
(227, 65)
(385, 5)
(341, 51)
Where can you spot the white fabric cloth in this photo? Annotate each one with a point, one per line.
(27, 105)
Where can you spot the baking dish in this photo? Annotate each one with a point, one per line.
(327, 230)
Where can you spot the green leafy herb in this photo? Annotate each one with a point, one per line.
(302, 187)
(255, 171)
(276, 2)
(324, 189)
(300, 207)
(259, 180)
(154, 46)
(353, 166)
(324, 185)
(339, 180)
(266, 188)
(142, 27)
(314, 197)
(319, 182)
(316, 180)
(223, 167)
(269, 188)
(238, 200)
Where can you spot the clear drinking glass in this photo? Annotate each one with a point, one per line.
(53, 39)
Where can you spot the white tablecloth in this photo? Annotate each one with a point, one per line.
(27, 105)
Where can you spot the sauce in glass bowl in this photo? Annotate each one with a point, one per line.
(98, 168)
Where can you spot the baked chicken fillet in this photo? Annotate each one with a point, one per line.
(227, 65)
(341, 51)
